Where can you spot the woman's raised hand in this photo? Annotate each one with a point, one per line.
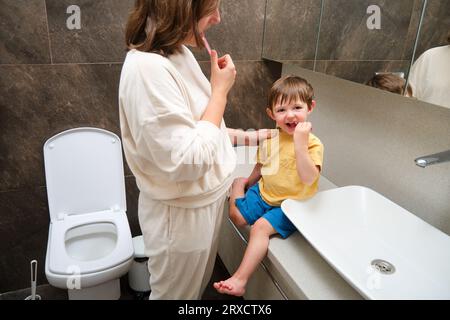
(223, 73)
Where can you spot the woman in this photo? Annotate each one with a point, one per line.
(175, 140)
(430, 77)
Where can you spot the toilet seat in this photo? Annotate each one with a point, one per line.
(61, 263)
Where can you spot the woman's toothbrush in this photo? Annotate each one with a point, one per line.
(205, 42)
(221, 61)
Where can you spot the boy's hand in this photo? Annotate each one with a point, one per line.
(301, 133)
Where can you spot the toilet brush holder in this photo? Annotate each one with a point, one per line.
(33, 295)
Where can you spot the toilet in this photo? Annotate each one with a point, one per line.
(89, 241)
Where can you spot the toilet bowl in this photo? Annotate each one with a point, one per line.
(89, 243)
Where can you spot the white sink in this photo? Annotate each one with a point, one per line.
(353, 226)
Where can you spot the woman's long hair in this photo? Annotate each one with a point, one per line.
(161, 26)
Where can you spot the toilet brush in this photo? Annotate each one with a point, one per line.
(33, 296)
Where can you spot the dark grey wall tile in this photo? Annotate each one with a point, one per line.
(306, 64)
(435, 27)
(37, 102)
(412, 30)
(360, 71)
(291, 29)
(24, 222)
(102, 34)
(23, 32)
(344, 34)
(247, 99)
(240, 32)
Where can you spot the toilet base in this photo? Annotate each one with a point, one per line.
(106, 291)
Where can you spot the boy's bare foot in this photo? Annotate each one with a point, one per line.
(231, 286)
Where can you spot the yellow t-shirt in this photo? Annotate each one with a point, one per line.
(280, 179)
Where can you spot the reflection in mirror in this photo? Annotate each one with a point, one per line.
(356, 39)
(430, 74)
(392, 82)
(291, 31)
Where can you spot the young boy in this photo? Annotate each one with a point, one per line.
(288, 166)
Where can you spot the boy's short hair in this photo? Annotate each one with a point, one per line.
(290, 88)
(389, 82)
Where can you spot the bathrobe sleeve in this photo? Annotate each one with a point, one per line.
(418, 76)
(169, 141)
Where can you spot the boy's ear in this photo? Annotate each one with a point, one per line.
(270, 113)
(313, 105)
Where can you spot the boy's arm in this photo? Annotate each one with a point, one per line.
(255, 175)
(306, 169)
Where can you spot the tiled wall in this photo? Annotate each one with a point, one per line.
(347, 48)
(435, 26)
(53, 79)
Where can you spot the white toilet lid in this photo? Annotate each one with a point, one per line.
(84, 172)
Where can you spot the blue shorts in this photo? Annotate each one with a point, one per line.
(253, 207)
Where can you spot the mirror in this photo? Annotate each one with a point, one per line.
(356, 40)
(429, 75)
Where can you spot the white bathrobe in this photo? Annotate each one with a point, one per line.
(182, 166)
(430, 76)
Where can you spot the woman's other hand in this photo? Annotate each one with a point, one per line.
(257, 137)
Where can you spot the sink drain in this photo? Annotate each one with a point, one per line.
(383, 266)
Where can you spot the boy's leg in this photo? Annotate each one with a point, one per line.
(254, 254)
(237, 191)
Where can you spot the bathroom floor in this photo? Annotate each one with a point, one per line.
(47, 292)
